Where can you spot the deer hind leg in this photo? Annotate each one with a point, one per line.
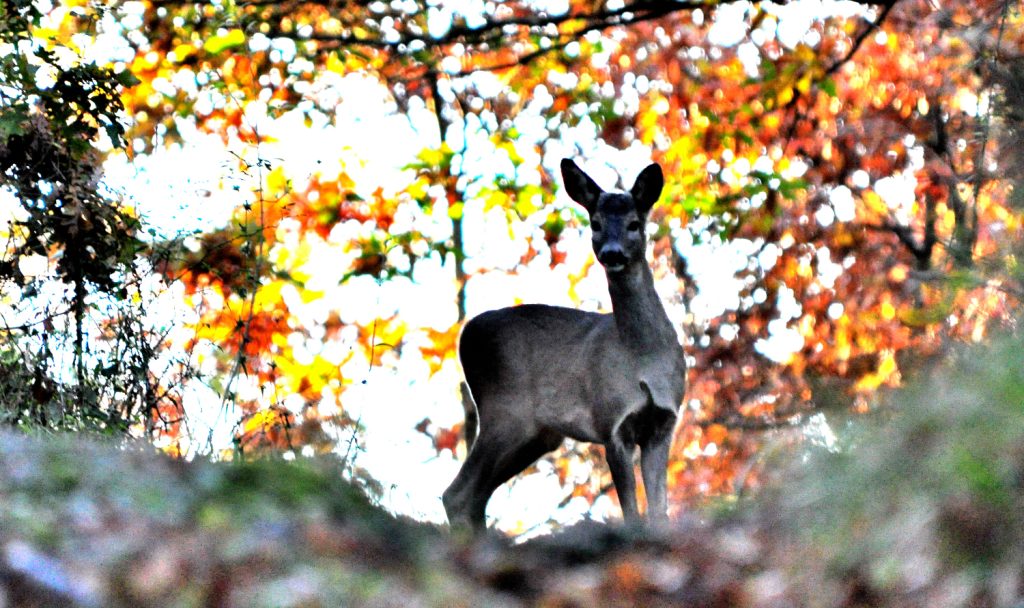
(494, 459)
(462, 501)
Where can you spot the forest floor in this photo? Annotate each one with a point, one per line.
(923, 505)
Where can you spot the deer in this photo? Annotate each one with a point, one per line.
(538, 374)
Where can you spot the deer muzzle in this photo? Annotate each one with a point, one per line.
(613, 258)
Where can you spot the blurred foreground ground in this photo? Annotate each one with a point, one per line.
(922, 506)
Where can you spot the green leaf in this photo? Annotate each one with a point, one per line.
(790, 188)
(116, 134)
(125, 78)
(829, 86)
(925, 316)
(982, 478)
(13, 121)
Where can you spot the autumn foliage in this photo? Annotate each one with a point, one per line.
(839, 204)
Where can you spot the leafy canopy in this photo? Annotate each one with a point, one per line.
(839, 202)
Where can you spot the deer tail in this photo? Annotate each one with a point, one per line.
(472, 418)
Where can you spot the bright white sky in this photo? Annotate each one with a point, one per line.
(180, 189)
(184, 188)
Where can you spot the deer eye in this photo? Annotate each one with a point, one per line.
(596, 226)
(634, 226)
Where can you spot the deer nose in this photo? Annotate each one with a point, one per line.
(612, 257)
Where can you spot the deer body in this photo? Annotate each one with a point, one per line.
(540, 373)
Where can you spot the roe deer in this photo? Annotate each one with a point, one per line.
(541, 373)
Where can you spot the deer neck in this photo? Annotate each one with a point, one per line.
(639, 315)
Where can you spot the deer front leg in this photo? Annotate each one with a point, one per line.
(654, 465)
(654, 452)
(619, 455)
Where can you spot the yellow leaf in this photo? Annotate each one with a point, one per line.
(692, 450)
(220, 43)
(336, 64)
(804, 84)
(785, 96)
(276, 180)
(435, 157)
(525, 204)
(418, 189)
(495, 198)
(455, 211)
(443, 346)
(888, 311)
(887, 373)
(183, 51)
(874, 202)
(260, 420)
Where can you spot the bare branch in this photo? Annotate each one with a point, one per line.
(886, 6)
(905, 235)
(493, 31)
(743, 423)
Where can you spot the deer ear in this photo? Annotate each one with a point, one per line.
(647, 189)
(579, 186)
